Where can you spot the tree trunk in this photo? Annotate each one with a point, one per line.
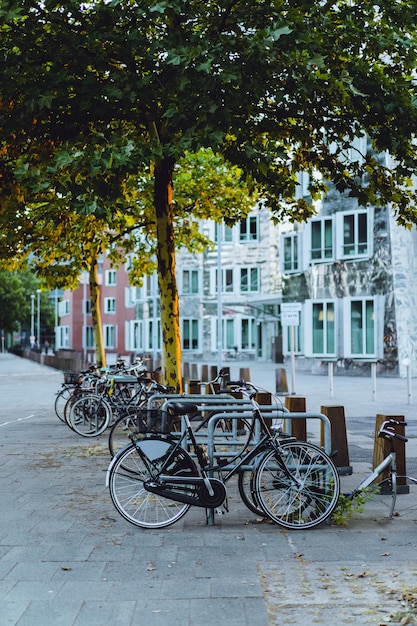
(170, 325)
(96, 315)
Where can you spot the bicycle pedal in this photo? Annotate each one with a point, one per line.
(220, 512)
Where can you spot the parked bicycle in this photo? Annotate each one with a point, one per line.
(155, 480)
(384, 478)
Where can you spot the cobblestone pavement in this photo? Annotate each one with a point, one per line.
(68, 558)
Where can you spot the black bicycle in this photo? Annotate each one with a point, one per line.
(156, 479)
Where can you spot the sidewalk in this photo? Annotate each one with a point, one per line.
(67, 558)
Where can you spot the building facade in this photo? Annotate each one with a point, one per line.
(75, 330)
(346, 276)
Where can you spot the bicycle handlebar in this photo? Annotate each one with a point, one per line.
(387, 432)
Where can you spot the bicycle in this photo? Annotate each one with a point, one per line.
(387, 468)
(154, 481)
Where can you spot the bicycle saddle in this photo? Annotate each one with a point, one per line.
(181, 408)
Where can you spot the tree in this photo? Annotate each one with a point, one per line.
(277, 86)
(15, 303)
(58, 243)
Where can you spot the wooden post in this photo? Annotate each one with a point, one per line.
(194, 386)
(382, 448)
(336, 415)
(264, 398)
(297, 404)
(204, 373)
(244, 373)
(281, 384)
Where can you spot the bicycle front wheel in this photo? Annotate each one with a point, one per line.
(138, 463)
(60, 402)
(297, 485)
(89, 415)
(119, 435)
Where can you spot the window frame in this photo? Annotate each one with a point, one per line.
(252, 286)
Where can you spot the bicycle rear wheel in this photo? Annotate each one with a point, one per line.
(89, 415)
(305, 492)
(138, 463)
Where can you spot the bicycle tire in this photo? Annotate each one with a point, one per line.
(89, 415)
(60, 402)
(128, 473)
(248, 493)
(308, 497)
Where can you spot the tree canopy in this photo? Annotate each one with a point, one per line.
(95, 92)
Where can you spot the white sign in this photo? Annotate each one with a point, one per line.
(290, 307)
(290, 318)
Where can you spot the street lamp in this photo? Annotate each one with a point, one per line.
(32, 321)
(38, 291)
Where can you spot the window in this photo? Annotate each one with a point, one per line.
(109, 336)
(362, 328)
(353, 233)
(227, 281)
(321, 240)
(63, 308)
(323, 315)
(249, 280)
(89, 337)
(87, 307)
(63, 337)
(290, 257)
(154, 334)
(190, 334)
(110, 305)
(190, 281)
(248, 229)
(226, 233)
(111, 278)
(248, 337)
(137, 336)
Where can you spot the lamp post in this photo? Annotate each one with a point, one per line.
(38, 339)
(32, 321)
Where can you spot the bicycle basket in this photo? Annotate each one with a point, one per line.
(71, 378)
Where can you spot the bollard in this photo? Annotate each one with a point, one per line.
(281, 384)
(382, 448)
(297, 404)
(264, 398)
(244, 373)
(336, 415)
(213, 372)
(156, 376)
(204, 373)
(186, 371)
(194, 371)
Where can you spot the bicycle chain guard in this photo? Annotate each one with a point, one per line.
(173, 487)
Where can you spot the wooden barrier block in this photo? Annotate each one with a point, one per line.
(382, 448)
(212, 388)
(297, 404)
(281, 384)
(336, 415)
(244, 373)
(194, 386)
